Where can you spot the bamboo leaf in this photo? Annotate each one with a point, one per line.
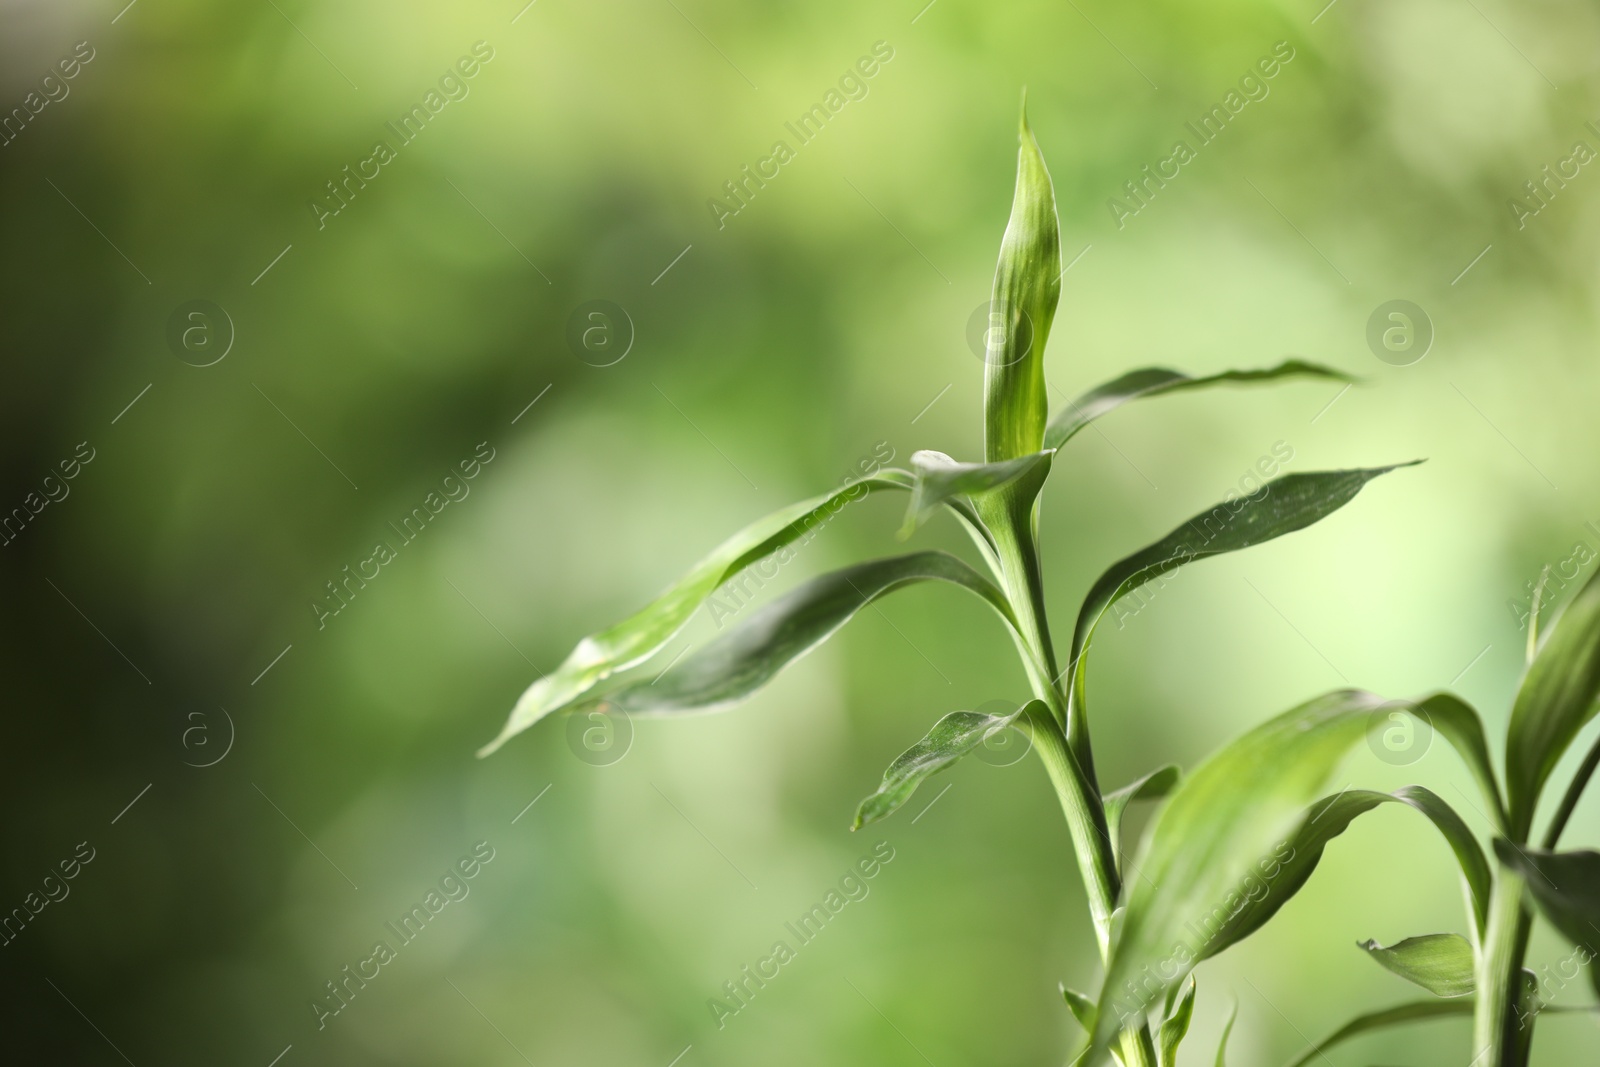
(1443, 964)
(1027, 285)
(1082, 1007)
(1555, 701)
(1460, 724)
(1379, 1020)
(1175, 1026)
(1158, 381)
(1243, 803)
(747, 656)
(941, 479)
(644, 633)
(1227, 1030)
(1566, 887)
(1153, 786)
(1279, 876)
(952, 737)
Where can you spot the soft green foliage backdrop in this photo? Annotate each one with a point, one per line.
(769, 361)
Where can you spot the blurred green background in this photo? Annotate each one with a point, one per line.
(162, 608)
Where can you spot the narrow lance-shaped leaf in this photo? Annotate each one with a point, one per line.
(1555, 701)
(1176, 1026)
(1158, 783)
(1227, 1031)
(1158, 381)
(642, 634)
(1242, 804)
(1027, 284)
(1566, 886)
(746, 657)
(951, 738)
(1282, 506)
(1419, 1011)
(1443, 964)
(1279, 876)
(941, 479)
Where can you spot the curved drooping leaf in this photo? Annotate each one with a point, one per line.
(1443, 964)
(1278, 877)
(1284, 505)
(940, 479)
(952, 737)
(1243, 803)
(747, 656)
(1555, 701)
(1461, 725)
(1419, 1011)
(1153, 786)
(1158, 381)
(1175, 1026)
(644, 633)
(1027, 284)
(1227, 1030)
(1566, 887)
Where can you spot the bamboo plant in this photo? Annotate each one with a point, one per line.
(1233, 840)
